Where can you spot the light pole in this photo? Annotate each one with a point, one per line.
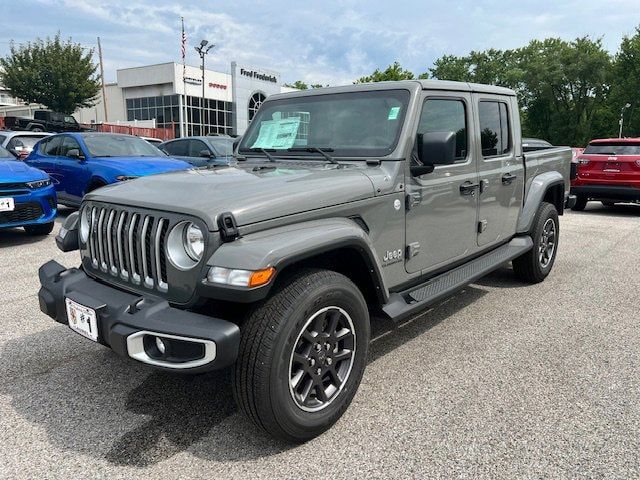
(202, 50)
(626, 105)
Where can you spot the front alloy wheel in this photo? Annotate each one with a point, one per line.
(322, 359)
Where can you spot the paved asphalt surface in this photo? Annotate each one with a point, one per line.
(503, 380)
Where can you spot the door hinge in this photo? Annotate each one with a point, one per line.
(412, 199)
(413, 249)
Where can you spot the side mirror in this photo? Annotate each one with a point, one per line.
(437, 148)
(75, 153)
(206, 154)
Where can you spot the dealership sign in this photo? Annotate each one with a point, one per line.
(193, 81)
(217, 85)
(259, 76)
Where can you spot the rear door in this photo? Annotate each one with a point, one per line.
(46, 158)
(500, 171)
(442, 205)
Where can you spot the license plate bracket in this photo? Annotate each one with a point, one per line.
(7, 204)
(82, 319)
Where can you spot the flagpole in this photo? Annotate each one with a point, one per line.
(184, 78)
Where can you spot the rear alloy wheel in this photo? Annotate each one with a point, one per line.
(302, 355)
(536, 264)
(581, 203)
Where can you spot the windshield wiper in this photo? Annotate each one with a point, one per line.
(265, 152)
(321, 151)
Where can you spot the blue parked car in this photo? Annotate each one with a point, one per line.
(27, 197)
(81, 162)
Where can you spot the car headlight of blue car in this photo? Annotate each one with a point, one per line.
(39, 184)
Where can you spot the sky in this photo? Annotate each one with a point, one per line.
(324, 42)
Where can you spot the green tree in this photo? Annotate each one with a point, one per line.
(625, 85)
(393, 72)
(300, 85)
(562, 86)
(52, 72)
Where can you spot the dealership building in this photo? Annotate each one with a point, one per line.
(161, 96)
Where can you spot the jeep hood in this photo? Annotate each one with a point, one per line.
(251, 193)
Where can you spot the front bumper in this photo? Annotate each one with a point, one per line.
(607, 192)
(129, 323)
(34, 207)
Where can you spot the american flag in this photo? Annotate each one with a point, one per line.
(184, 41)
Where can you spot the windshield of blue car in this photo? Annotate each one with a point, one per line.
(5, 154)
(100, 145)
(223, 146)
(613, 148)
(349, 124)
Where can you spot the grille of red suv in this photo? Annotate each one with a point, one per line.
(128, 245)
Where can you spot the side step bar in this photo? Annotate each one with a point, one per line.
(403, 304)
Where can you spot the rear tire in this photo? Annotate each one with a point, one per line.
(581, 202)
(302, 355)
(536, 264)
(37, 129)
(42, 229)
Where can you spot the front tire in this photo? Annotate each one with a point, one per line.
(302, 355)
(42, 229)
(536, 264)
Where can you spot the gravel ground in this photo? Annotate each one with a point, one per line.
(503, 380)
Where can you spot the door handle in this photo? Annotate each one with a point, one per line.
(468, 188)
(507, 178)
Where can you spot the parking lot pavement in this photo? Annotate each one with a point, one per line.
(503, 380)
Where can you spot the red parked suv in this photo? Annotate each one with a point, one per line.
(609, 171)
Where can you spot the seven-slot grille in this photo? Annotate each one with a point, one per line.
(127, 244)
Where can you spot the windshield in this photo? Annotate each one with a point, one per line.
(223, 146)
(348, 124)
(613, 148)
(5, 154)
(101, 145)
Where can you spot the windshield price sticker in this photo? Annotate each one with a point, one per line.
(278, 134)
(393, 113)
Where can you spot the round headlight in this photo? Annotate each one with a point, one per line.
(193, 242)
(84, 224)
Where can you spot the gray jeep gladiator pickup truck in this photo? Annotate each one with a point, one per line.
(341, 203)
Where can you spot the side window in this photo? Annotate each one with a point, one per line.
(441, 115)
(196, 146)
(179, 148)
(495, 130)
(68, 143)
(51, 147)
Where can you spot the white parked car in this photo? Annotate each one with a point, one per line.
(20, 144)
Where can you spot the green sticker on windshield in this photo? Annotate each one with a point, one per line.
(279, 134)
(393, 113)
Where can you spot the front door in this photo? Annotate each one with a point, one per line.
(442, 205)
(73, 172)
(500, 171)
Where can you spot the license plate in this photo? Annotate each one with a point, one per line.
(7, 205)
(82, 320)
(611, 167)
